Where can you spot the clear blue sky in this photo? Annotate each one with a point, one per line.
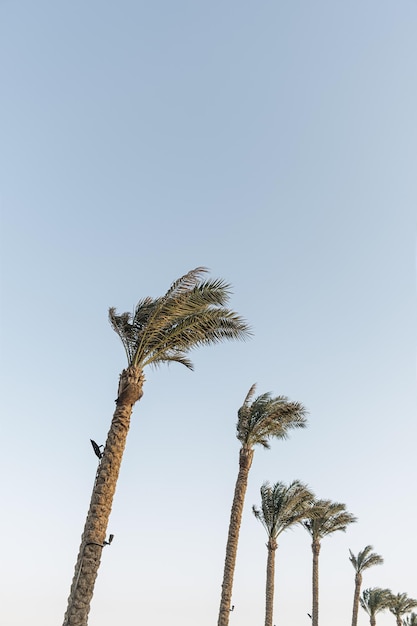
(276, 144)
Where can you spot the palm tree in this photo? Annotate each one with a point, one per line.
(411, 620)
(282, 507)
(325, 518)
(374, 600)
(162, 330)
(401, 604)
(258, 421)
(365, 559)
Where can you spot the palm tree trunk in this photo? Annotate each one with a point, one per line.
(358, 583)
(245, 462)
(92, 540)
(373, 620)
(315, 613)
(270, 582)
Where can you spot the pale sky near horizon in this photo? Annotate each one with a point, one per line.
(276, 144)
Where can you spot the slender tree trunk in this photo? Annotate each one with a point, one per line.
(245, 462)
(373, 620)
(316, 551)
(92, 540)
(358, 583)
(270, 582)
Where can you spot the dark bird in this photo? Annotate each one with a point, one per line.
(96, 449)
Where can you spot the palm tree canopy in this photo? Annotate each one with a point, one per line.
(375, 599)
(326, 517)
(265, 417)
(282, 506)
(401, 604)
(192, 313)
(365, 559)
(411, 620)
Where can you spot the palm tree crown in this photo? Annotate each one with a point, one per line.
(365, 559)
(282, 506)
(191, 313)
(266, 417)
(375, 599)
(401, 604)
(326, 517)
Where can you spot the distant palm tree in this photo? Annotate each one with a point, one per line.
(411, 620)
(259, 420)
(162, 330)
(401, 604)
(325, 518)
(282, 507)
(374, 600)
(365, 559)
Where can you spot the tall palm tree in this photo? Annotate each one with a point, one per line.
(365, 559)
(401, 604)
(282, 507)
(324, 518)
(374, 600)
(259, 420)
(411, 620)
(162, 330)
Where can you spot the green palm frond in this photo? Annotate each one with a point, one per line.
(411, 620)
(365, 559)
(401, 604)
(374, 599)
(326, 517)
(282, 506)
(265, 417)
(191, 314)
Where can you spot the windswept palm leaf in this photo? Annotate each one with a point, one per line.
(411, 620)
(400, 604)
(191, 314)
(267, 417)
(374, 600)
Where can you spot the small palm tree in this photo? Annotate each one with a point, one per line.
(411, 620)
(365, 559)
(401, 604)
(374, 600)
(282, 507)
(162, 330)
(259, 420)
(325, 518)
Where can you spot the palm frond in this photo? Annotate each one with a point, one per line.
(282, 506)
(326, 517)
(267, 417)
(191, 314)
(365, 559)
(375, 599)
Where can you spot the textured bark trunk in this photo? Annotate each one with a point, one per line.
(373, 620)
(316, 551)
(358, 583)
(245, 462)
(270, 582)
(92, 540)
